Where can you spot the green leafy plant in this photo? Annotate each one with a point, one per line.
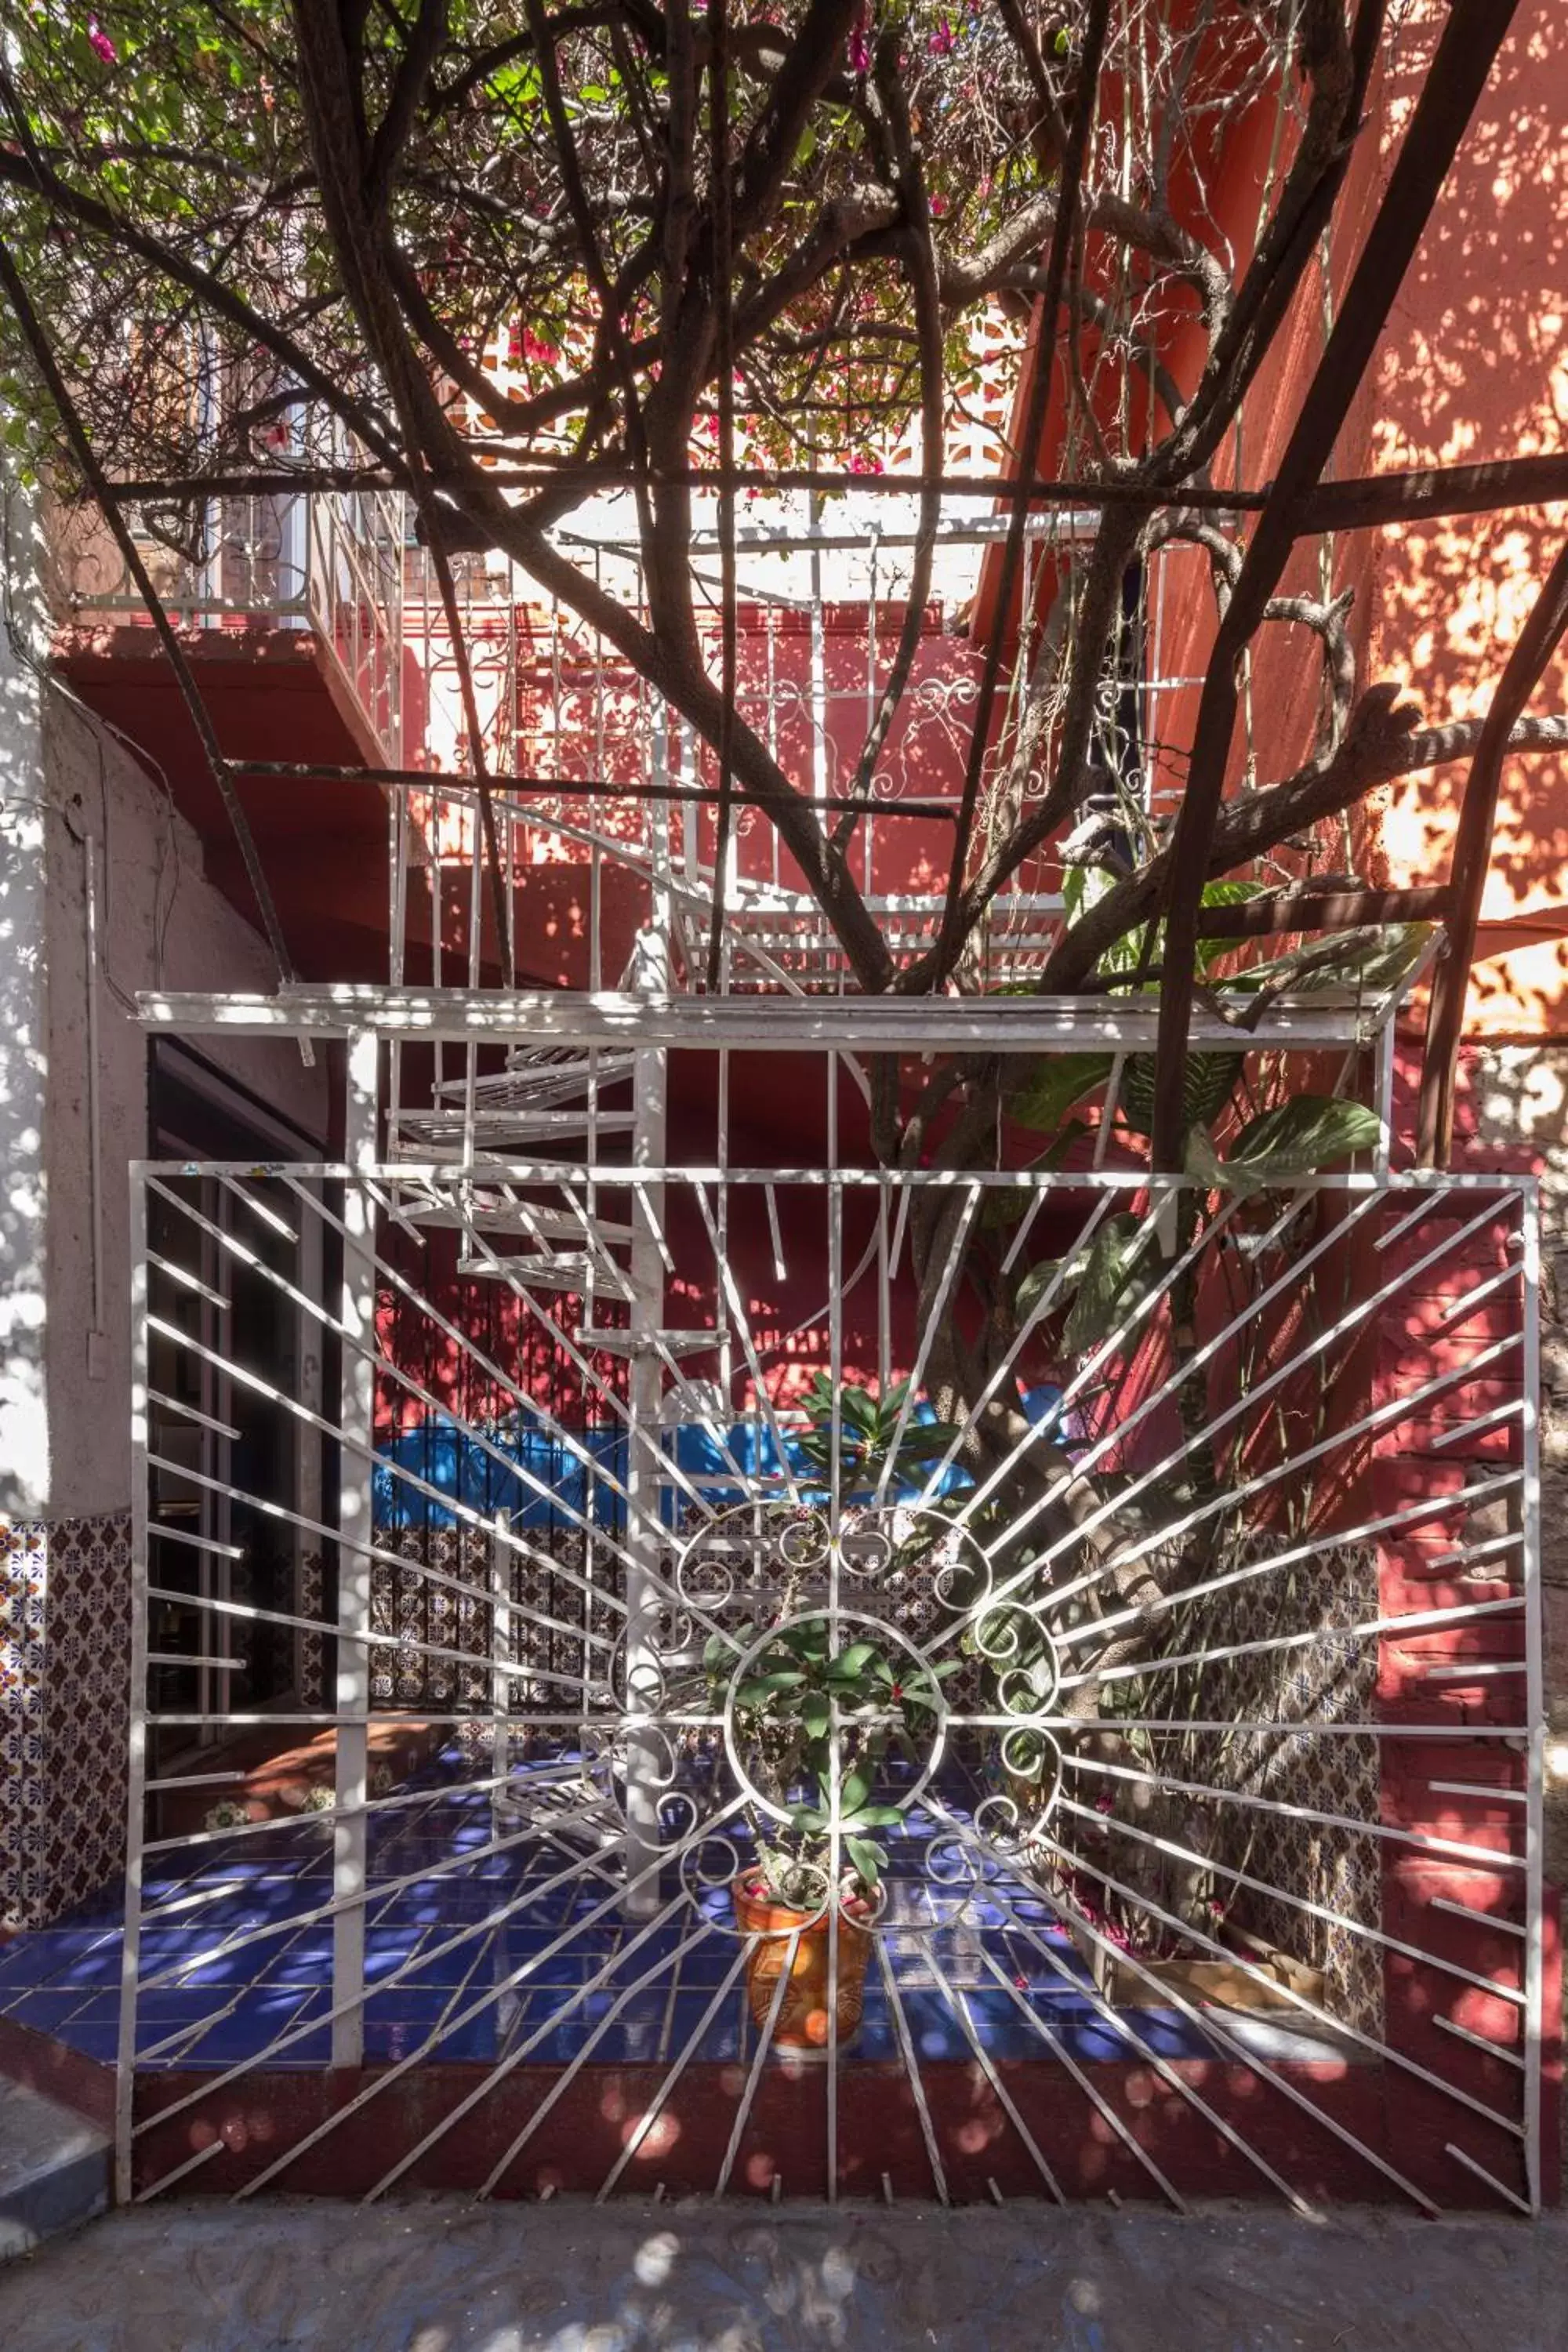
(808, 1711)
(1285, 1145)
(867, 1429)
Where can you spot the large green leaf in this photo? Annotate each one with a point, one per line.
(858, 1408)
(758, 1689)
(1373, 959)
(1223, 893)
(1053, 1084)
(1122, 1267)
(869, 1859)
(1209, 1082)
(1037, 1280)
(1290, 1143)
(852, 1663)
(924, 1438)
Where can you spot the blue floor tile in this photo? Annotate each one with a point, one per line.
(429, 1957)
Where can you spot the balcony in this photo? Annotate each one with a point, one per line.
(290, 612)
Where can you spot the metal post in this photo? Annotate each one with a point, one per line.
(1383, 1083)
(136, 1764)
(357, 1419)
(1535, 1692)
(645, 1458)
(500, 1659)
(818, 667)
(309, 1649)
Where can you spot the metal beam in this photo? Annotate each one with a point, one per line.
(866, 1025)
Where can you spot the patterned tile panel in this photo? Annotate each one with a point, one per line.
(65, 1676)
(23, 1555)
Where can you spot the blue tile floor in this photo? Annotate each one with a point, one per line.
(474, 1960)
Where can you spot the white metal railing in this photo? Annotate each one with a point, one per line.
(1337, 1721)
(328, 561)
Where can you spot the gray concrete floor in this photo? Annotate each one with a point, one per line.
(564, 2277)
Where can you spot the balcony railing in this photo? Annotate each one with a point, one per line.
(329, 562)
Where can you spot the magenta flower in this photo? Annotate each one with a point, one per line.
(861, 41)
(941, 41)
(1104, 1803)
(100, 45)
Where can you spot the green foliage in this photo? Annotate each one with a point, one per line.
(867, 1428)
(1208, 1083)
(812, 1711)
(1369, 961)
(190, 126)
(1056, 1085)
(1101, 1282)
(1297, 1139)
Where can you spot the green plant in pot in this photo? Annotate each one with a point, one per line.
(815, 1723)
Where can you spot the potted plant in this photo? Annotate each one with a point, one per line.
(814, 1724)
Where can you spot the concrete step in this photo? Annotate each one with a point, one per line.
(54, 2170)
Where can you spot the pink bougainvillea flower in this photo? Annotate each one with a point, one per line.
(860, 40)
(941, 41)
(1104, 1805)
(533, 349)
(938, 206)
(100, 45)
(860, 465)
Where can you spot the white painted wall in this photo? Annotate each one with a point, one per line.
(72, 798)
(158, 923)
(24, 1042)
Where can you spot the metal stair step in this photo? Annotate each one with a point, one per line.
(567, 1272)
(490, 1123)
(550, 1224)
(540, 1083)
(640, 1343)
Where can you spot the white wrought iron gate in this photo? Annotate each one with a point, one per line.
(764, 1724)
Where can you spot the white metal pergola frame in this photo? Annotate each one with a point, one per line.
(655, 1026)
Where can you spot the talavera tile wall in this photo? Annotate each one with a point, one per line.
(65, 1675)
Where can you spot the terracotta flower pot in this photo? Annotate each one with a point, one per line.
(803, 2014)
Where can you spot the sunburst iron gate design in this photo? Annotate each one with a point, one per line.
(713, 1770)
